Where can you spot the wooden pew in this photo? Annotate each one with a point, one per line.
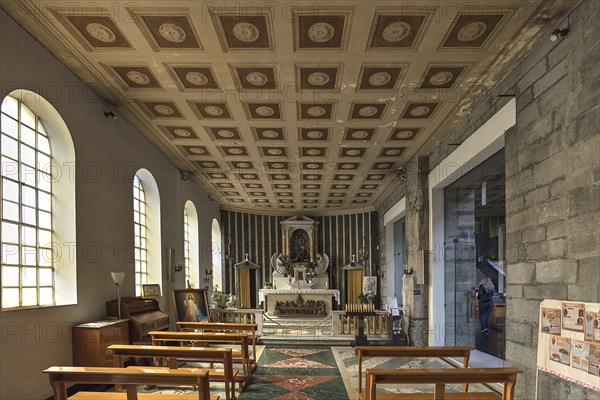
(129, 378)
(204, 339)
(210, 327)
(173, 354)
(440, 377)
(410, 351)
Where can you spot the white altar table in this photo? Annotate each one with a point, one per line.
(269, 296)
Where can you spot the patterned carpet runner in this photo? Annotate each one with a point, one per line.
(286, 373)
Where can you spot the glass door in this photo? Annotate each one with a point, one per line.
(399, 257)
(474, 243)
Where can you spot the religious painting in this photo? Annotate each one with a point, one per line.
(300, 246)
(370, 285)
(191, 305)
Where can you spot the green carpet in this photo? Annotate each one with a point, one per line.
(294, 373)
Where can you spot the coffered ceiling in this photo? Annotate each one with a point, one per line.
(292, 105)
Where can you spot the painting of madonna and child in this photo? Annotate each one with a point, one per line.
(191, 305)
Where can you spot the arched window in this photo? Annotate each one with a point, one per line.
(216, 255)
(191, 253)
(140, 235)
(147, 238)
(37, 270)
(186, 246)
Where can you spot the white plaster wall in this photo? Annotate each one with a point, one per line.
(109, 151)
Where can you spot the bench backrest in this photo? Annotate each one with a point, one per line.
(440, 377)
(222, 355)
(411, 351)
(160, 337)
(207, 327)
(130, 378)
(217, 326)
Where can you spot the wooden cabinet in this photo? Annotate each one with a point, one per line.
(91, 340)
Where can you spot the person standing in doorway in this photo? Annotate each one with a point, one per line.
(485, 294)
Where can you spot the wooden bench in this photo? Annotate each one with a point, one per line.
(129, 378)
(204, 339)
(211, 327)
(173, 354)
(440, 377)
(410, 351)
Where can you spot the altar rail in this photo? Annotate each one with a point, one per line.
(238, 316)
(374, 325)
(342, 325)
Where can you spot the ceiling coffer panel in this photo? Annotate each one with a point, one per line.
(287, 106)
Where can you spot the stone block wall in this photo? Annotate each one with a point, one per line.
(552, 188)
(553, 192)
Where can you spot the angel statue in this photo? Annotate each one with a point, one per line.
(322, 264)
(277, 263)
(231, 302)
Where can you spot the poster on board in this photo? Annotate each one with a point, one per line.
(594, 359)
(581, 355)
(551, 320)
(572, 316)
(560, 350)
(592, 326)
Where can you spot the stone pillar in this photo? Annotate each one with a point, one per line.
(417, 239)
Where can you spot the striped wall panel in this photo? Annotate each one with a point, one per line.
(260, 236)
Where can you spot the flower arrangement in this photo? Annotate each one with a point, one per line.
(268, 285)
(310, 271)
(223, 298)
(366, 298)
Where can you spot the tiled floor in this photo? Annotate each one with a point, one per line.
(349, 370)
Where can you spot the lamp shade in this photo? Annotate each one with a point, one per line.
(118, 277)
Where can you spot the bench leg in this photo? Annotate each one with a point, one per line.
(131, 392)
(60, 391)
(509, 391)
(439, 392)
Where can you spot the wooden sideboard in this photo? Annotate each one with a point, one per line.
(91, 341)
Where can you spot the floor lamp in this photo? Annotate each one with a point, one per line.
(118, 278)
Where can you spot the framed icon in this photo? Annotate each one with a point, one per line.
(151, 290)
(191, 305)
